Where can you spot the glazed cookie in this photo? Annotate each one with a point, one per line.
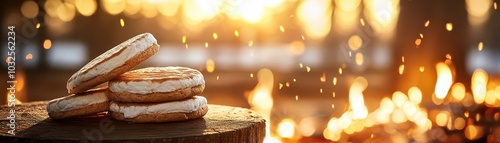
(113, 62)
(74, 105)
(190, 108)
(156, 84)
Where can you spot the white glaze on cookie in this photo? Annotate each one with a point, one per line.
(142, 81)
(76, 101)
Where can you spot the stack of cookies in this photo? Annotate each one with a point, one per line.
(155, 94)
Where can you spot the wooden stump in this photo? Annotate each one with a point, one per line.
(221, 124)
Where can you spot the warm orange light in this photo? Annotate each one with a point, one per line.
(449, 26)
(260, 98)
(399, 98)
(286, 128)
(297, 47)
(315, 18)
(323, 78)
(47, 44)
(86, 7)
(478, 8)
(252, 11)
(210, 65)
(401, 69)
(236, 33)
(478, 85)
(359, 59)
(122, 23)
(29, 9)
(444, 80)
(480, 46)
(66, 12)
(356, 99)
(415, 95)
(382, 15)
(113, 7)
(215, 36)
(473, 132)
(355, 42)
(459, 123)
(458, 91)
(442, 118)
(418, 41)
(29, 57)
(307, 126)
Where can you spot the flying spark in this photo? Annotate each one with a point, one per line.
(251, 75)
(29, 57)
(122, 23)
(418, 42)
(308, 69)
(236, 33)
(184, 39)
(287, 84)
(282, 29)
(301, 65)
(401, 69)
(250, 43)
(362, 22)
(294, 80)
(206, 44)
(427, 23)
(449, 26)
(296, 97)
(280, 85)
(37, 25)
(340, 70)
(480, 46)
(302, 36)
(323, 78)
(47, 44)
(217, 77)
(215, 36)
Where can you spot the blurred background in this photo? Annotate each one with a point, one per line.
(318, 70)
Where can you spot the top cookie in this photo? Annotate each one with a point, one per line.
(113, 62)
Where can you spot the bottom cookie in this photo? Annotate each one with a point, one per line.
(162, 117)
(185, 109)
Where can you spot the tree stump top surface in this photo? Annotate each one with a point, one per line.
(220, 124)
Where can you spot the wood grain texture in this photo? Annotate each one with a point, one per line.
(222, 124)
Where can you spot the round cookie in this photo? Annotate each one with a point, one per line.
(190, 108)
(113, 62)
(74, 105)
(156, 84)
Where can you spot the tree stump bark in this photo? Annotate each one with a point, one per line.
(222, 124)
